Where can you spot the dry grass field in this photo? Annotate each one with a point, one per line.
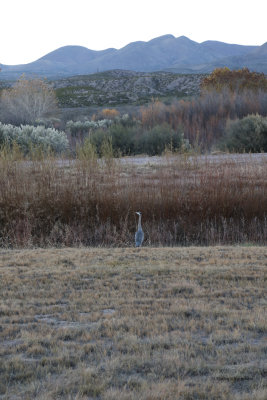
(135, 324)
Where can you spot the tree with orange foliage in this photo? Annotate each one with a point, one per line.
(110, 113)
(153, 114)
(235, 81)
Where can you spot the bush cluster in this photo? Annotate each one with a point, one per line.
(75, 128)
(130, 140)
(248, 134)
(28, 137)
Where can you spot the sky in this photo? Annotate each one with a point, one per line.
(29, 29)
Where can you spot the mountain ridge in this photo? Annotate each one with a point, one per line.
(164, 53)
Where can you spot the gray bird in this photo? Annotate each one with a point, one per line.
(139, 235)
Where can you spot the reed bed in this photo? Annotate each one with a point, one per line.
(185, 200)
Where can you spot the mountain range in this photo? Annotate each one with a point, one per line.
(165, 53)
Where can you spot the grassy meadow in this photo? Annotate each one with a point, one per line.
(125, 323)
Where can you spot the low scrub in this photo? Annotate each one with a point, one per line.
(204, 118)
(82, 128)
(28, 137)
(131, 140)
(160, 138)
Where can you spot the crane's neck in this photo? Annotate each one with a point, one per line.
(139, 221)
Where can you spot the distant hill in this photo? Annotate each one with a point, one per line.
(124, 87)
(166, 52)
(255, 60)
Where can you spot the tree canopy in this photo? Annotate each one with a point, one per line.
(27, 101)
(234, 80)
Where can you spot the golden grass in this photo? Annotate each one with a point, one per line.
(125, 323)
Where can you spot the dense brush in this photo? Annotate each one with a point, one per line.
(185, 200)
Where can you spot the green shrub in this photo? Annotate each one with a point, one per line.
(97, 138)
(122, 138)
(29, 137)
(248, 134)
(159, 138)
(129, 140)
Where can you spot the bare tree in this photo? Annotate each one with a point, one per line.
(27, 101)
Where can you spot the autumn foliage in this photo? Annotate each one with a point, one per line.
(110, 113)
(201, 121)
(226, 95)
(236, 80)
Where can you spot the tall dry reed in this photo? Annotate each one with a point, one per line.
(184, 201)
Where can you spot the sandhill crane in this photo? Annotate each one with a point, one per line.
(139, 235)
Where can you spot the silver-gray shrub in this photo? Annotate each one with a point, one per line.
(84, 127)
(28, 136)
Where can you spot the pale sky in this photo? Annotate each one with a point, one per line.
(29, 29)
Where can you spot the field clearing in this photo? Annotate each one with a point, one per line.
(125, 323)
(215, 158)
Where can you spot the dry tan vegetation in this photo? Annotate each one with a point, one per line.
(124, 323)
(185, 200)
